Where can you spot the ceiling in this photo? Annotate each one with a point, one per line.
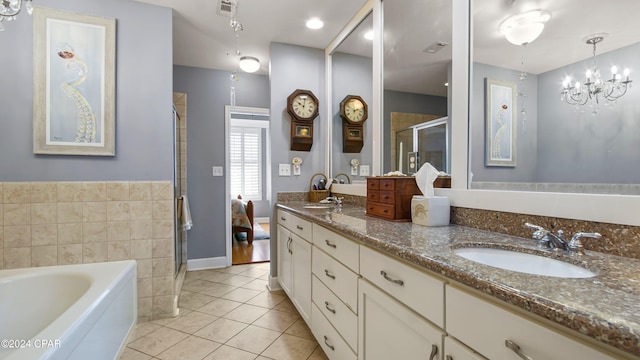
(202, 38)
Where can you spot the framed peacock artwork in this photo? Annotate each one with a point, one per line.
(500, 123)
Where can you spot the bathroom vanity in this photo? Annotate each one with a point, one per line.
(375, 289)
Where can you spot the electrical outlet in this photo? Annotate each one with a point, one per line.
(217, 171)
(284, 170)
(364, 170)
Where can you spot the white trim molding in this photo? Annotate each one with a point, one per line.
(207, 263)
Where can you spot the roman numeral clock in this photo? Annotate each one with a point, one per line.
(302, 105)
(354, 112)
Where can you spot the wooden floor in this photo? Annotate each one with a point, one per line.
(259, 251)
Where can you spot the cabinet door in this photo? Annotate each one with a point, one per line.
(301, 273)
(454, 350)
(390, 330)
(284, 259)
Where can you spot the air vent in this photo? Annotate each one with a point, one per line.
(226, 8)
(435, 47)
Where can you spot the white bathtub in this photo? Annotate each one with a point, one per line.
(67, 312)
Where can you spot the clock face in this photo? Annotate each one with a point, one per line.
(354, 110)
(304, 105)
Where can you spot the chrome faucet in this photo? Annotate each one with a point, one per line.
(548, 240)
(337, 201)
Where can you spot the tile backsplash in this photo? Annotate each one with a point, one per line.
(61, 223)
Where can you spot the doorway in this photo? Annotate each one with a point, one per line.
(248, 184)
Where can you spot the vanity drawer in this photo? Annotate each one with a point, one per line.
(338, 314)
(297, 225)
(381, 210)
(344, 250)
(337, 277)
(387, 184)
(387, 197)
(485, 327)
(419, 291)
(331, 342)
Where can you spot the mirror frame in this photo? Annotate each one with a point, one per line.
(373, 7)
(615, 209)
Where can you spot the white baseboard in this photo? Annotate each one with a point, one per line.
(273, 284)
(261, 220)
(207, 263)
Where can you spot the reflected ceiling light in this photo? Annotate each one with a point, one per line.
(369, 35)
(249, 64)
(595, 87)
(524, 28)
(9, 9)
(315, 23)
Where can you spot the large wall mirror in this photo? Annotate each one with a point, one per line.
(417, 64)
(531, 129)
(352, 74)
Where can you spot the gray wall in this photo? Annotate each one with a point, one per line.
(576, 146)
(207, 94)
(526, 157)
(397, 101)
(294, 67)
(144, 128)
(352, 75)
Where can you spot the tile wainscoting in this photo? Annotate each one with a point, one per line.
(62, 223)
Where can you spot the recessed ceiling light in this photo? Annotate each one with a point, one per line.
(315, 23)
(369, 35)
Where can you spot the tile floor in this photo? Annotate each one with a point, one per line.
(227, 314)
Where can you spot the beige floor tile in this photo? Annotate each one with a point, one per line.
(192, 322)
(196, 285)
(237, 280)
(264, 266)
(288, 347)
(254, 272)
(277, 320)
(221, 330)
(217, 289)
(286, 305)
(318, 354)
(300, 329)
(165, 321)
(191, 348)
(229, 353)
(158, 341)
(237, 269)
(246, 313)
(192, 300)
(257, 284)
(219, 307)
(142, 329)
(130, 354)
(253, 339)
(218, 276)
(241, 295)
(267, 299)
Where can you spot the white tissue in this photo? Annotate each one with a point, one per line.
(425, 178)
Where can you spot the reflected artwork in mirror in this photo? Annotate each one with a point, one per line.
(416, 72)
(585, 146)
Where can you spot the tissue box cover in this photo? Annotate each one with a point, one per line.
(430, 211)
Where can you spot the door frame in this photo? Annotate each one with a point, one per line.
(228, 111)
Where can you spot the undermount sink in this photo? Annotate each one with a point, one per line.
(523, 262)
(317, 206)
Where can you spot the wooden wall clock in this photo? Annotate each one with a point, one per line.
(354, 112)
(302, 106)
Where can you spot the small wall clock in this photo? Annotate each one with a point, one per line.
(302, 106)
(354, 112)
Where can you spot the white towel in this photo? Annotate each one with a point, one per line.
(186, 222)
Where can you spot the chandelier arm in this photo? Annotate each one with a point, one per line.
(7, 5)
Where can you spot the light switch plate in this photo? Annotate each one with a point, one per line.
(217, 171)
(284, 170)
(364, 170)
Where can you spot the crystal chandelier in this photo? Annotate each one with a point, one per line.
(9, 9)
(595, 88)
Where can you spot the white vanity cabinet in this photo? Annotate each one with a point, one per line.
(294, 260)
(454, 350)
(390, 330)
(486, 327)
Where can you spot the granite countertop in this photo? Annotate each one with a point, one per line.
(605, 307)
